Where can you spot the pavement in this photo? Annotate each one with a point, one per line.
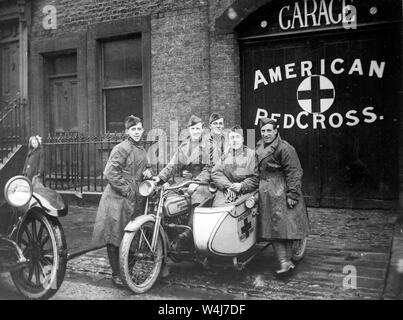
(351, 254)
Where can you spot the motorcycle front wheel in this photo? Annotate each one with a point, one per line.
(43, 243)
(139, 265)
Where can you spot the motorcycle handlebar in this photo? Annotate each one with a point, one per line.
(185, 184)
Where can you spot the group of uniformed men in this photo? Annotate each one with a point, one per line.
(218, 156)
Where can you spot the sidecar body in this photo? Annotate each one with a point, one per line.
(226, 230)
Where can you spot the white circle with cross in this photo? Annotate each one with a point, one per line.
(315, 94)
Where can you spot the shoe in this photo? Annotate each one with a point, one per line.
(286, 266)
(117, 282)
(165, 272)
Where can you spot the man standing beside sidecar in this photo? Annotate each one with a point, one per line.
(193, 160)
(237, 172)
(283, 214)
(121, 201)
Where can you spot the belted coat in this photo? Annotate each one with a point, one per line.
(280, 177)
(236, 166)
(120, 201)
(195, 157)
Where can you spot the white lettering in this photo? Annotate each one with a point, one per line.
(280, 18)
(333, 65)
(259, 78)
(323, 12)
(287, 125)
(378, 69)
(260, 113)
(319, 118)
(49, 21)
(322, 66)
(371, 115)
(275, 76)
(288, 69)
(350, 115)
(356, 67)
(339, 17)
(310, 14)
(299, 124)
(340, 120)
(297, 15)
(274, 116)
(306, 67)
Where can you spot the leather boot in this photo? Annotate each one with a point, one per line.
(113, 255)
(281, 249)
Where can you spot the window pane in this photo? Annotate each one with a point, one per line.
(122, 62)
(121, 103)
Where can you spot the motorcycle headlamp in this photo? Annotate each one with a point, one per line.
(18, 191)
(147, 188)
(250, 202)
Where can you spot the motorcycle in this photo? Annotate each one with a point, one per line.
(33, 246)
(228, 231)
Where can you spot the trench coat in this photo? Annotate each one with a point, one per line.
(34, 163)
(120, 201)
(280, 177)
(195, 157)
(236, 166)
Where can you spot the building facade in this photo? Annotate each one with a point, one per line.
(328, 70)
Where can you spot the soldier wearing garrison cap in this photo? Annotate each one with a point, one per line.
(217, 138)
(283, 215)
(193, 161)
(120, 201)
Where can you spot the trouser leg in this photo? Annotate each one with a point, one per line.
(113, 255)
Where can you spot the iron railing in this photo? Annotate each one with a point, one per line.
(12, 126)
(76, 162)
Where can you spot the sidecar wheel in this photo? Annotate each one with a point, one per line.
(42, 241)
(298, 249)
(139, 266)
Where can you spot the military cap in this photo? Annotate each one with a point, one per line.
(215, 116)
(131, 121)
(193, 120)
(264, 121)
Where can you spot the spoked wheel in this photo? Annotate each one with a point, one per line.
(298, 249)
(42, 242)
(139, 265)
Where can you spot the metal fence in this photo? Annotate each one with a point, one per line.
(76, 162)
(12, 128)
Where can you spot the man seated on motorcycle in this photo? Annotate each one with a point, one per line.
(193, 159)
(237, 172)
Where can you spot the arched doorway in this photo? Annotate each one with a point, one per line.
(331, 76)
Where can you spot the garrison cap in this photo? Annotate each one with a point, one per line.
(264, 121)
(131, 121)
(215, 116)
(193, 120)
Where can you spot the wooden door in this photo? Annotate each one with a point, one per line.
(347, 141)
(63, 104)
(9, 71)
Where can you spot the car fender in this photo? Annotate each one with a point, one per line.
(134, 225)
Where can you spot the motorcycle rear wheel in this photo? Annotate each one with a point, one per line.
(139, 266)
(42, 241)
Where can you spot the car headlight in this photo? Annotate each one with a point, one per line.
(250, 202)
(147, 188)
(18, 191)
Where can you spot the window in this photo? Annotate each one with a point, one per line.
(122, 81)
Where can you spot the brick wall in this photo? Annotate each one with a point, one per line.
(193, 70)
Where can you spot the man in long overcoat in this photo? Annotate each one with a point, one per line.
(121, 201)
(283, 214)
(237, 172)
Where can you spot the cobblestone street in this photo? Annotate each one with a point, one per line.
(349, 239)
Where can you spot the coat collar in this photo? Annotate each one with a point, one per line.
(263, 151)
